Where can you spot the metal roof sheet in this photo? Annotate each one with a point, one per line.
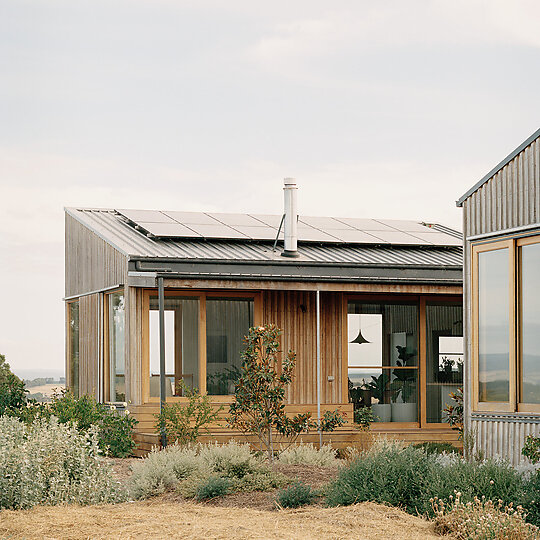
(116, 230)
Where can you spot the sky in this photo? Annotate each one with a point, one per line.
(386, 109)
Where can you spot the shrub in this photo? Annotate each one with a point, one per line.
(308, 454)
(437, 447)
(258, 408)
(51, 463)
(531, 448)
(482, 519)
(212, 487)
(454, 411)
(115, 431)
(389, 474)
(12, 391)
(364, 417)
(184, 468)
(295, 495)
(183, 422)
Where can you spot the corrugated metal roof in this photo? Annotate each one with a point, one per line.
(498, 167)
(115, 229)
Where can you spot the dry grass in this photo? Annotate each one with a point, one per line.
(162, 519)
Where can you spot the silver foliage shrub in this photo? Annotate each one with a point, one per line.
(308, 454)
(186, 468)
(51, 463)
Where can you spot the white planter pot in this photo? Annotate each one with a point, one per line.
(404, 412)
(382, 412)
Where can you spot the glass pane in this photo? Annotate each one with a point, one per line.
(74, 347)
(444, 349)
(227, 323)
(181, 344)
(530, 322)
(391, 393)
(493, 326)
(117, 378)
(383, 359)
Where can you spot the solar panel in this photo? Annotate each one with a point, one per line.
(236, 219)
(365, 224)
(398, 237)
(438, 238)
(191, 217)
(146, 216)
(259, 233)
(218, 231)
(353, 236)
(324, 223)
(268, 219)
(309, 234)
(405, 225)
(169, 230)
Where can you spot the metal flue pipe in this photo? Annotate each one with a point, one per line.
(291, 218)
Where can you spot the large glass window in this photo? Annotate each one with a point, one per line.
(493, 326)
(444, 356)
(116, 325)
(227, 323)
(181, 344)
(383, 359)
(73, 346)
(530, 322)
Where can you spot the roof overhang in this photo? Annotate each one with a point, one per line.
(310, 272)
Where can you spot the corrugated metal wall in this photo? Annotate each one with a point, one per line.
(504, 436)
(511, 198)
(91, 263)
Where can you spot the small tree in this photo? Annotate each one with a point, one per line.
(12, 390)
(259, 407)
(183, 422)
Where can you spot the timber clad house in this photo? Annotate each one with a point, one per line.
(372, 308)
(501, 216)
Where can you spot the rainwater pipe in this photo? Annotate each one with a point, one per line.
(162, 391)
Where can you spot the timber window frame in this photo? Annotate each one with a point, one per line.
(73, 348)
(515, 402)
(108, 335)
(202, 296)
(421, 301)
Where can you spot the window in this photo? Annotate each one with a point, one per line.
(506, 325)
(444, 356)
(204, 340)
(116, 342)
(383, 359)
(73, 346)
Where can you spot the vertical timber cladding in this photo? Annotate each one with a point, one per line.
(295, 313)
(91, 263)
(510, 198)
(89, 344)
(134, 344)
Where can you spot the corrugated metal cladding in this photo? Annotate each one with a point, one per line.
(510, 198)
(504, 437)
(111, 227)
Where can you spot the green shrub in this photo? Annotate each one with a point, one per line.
(387, 474)
(296, 495)
(115, 430)
(531, 448)
(531, 499)
(212, 487)
(437, 447)
(12, 391)
(183, 422)
(51, 463)
(308, 454)
(184, 468)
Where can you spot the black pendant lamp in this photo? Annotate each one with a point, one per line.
(360, 338)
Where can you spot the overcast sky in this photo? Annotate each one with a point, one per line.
(388, 109)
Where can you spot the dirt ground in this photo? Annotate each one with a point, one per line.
(156, 519)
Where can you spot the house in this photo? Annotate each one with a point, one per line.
(501, 216)
(373, 309)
